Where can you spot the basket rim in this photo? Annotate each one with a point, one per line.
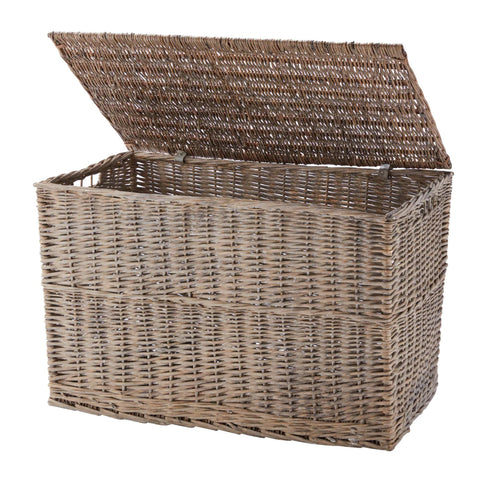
(436, 183)
(240, 203)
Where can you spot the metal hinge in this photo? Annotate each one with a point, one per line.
(180, 156)
(384, 171)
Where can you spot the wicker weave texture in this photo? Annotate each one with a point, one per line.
(284, 301)
(259, 100)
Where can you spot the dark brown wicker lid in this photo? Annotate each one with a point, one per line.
(260, 100)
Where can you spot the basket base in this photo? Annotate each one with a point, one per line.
(239, 421)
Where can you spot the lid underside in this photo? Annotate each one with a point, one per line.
(260, 100)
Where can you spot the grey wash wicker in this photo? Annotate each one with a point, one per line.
(241, 285)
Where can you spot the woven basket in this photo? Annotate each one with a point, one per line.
(242, 285)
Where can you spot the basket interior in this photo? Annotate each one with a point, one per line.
(360, 189)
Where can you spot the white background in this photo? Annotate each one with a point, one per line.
(50, 126)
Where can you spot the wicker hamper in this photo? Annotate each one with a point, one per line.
(219, 273)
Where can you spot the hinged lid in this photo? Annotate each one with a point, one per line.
(260, 100)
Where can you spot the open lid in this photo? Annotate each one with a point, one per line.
(260, 100)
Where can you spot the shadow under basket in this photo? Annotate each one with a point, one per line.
(298, 302)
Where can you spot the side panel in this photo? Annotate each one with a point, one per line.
(419, 266)
(266, 321)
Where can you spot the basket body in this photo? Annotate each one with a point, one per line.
(282, 301)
